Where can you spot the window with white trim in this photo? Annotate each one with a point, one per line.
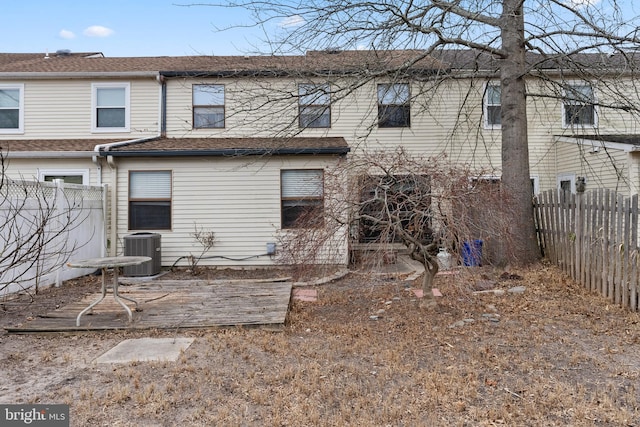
(208, 106)
(314, 105)
(302, 198)
(492, 106)
(535, 185)
(578, 107)
(69, 176)
(566, 186)
(110, 107)
(12, 108)
(394, 106)
(150, 200)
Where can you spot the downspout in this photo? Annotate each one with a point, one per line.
(163, 105)
(113, 218)
(113, 224)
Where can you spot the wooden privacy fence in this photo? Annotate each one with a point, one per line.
(593, 236)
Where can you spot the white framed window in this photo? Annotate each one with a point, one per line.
(535, 185)
(314, 105)
(69, 176)
(110, 107)
(394, 105)
(578, 106)
(11, 108)
(492, 107)
(302, 198)
(208, 106)
(566, 186)
(150, 200)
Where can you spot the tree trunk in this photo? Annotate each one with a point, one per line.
(522, 245)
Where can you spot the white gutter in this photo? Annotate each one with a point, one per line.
(596, 144)
(114, 183)
(114, 168)
(49, 154)
(77, 75)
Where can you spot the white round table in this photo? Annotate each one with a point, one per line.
(104, 263)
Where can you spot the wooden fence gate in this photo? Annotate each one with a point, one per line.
(593, 236)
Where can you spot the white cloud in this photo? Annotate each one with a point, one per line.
(97, 31)
(66, 34)
(292, 21)
(582, 3)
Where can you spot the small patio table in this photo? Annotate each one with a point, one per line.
(104, 263)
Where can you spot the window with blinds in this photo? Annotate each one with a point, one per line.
(110, 107)
(149, 200)
(314, 105)
(208, 106)
(302, 198)
(492, 106)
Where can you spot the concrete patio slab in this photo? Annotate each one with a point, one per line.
(146, 350)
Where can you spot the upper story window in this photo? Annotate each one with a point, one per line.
(314, 105)
(11, 108)
(578, 107)
(110, 107)
(302, 198)
(394, 107)
(208, 106)
(492, 106)
(150, 200)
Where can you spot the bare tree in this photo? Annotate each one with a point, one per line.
(425, 204)
(35, 227)
(513, 41)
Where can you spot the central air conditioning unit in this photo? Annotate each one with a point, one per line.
(143, 244)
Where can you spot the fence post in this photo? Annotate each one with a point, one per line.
(578, 234)
(105, 237)
(57, 197)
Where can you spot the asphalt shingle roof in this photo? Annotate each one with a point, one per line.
(232, 146)
(313, 62)
(186, 146)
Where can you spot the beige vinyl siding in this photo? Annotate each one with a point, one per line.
(238, 199)
(27, 169)
(57, 109)
(606, 168)
(269, 108)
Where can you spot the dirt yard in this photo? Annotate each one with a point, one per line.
(367, 353)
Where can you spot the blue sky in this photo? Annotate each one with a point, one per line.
(123, 27)
(151, 27)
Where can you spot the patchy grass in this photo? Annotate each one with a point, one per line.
(554, 355)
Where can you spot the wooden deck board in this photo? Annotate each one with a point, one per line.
(171, 304)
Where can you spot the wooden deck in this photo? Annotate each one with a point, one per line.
(171, 304)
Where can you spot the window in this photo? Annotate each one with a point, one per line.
(11, 108)
(394, 108)
(69, 176)
(579, 106)
(302, 198)
(150, 200)
(208, 106)
(110, 107)
(314, 106)
(392, 202)
(492, 107)
(535, 185)
(566, 186)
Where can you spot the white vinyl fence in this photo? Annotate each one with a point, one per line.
(42, 226)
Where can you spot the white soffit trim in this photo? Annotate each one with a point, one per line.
(597, 143)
